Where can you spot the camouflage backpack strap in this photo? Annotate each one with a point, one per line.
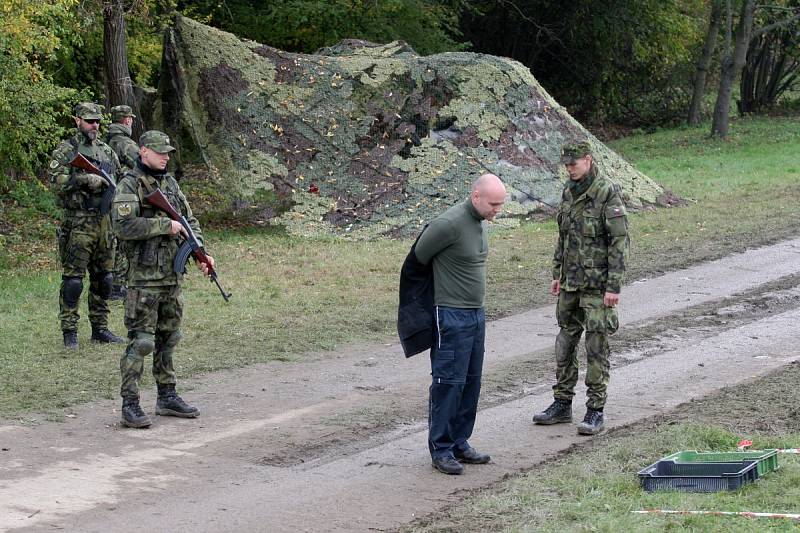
(149, 189)
(143, 188)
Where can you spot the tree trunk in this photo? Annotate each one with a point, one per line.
(732, 64)
(704, 61)
(769, 71)
(119, 88)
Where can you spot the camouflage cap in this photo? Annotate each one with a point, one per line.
(89, 110)
(157, 141)
(574, 150)
(121, 111)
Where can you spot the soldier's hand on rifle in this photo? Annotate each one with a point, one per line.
(204, 266)
(92, 181)
(176, 227)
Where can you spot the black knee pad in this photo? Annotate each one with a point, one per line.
(71, 289)
(103, 283)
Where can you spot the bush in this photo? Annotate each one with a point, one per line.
(31, 33)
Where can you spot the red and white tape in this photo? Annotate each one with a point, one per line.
(748, 514)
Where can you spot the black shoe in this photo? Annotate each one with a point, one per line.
(118, 292)
(170, 404)
(103, 335)
(472, 456)
(592, 423)
(447, 465)
(71, 340)
(132, 414)
(558, 413)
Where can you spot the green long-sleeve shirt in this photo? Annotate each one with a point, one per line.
(457, 244)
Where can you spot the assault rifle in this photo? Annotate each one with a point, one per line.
(189, 246)
(79, 161)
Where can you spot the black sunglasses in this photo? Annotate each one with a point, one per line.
(92, 120)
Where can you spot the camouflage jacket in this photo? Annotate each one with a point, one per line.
(78, 199)
(119, 139)
(144, 229)
(592, 239)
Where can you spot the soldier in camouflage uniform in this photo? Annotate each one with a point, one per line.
(85, 241)
(119, 139)
(119, 136)
(154, 304)
(588, 268)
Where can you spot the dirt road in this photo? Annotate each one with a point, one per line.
(340, 443)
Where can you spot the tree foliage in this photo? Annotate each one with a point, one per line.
(608, 61)
(429, 26)
(32, 32)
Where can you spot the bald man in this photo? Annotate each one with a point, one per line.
(456, 244)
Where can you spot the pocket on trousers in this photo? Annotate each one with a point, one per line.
(598, 317)
(443, 364)
(78, 253)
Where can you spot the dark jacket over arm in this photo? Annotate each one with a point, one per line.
(415, 315)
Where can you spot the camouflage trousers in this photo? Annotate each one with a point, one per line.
(578, 311)
(153, 319)
(85, 243)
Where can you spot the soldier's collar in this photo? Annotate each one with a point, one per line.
(147, 171)
(116, 127)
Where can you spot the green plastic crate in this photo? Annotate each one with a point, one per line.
(767, 459)
(697, 477)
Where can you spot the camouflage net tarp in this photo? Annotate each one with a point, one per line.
(363, 139)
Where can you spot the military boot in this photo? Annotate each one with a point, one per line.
(104, 336)
(71, 340)
(560, 411)
(132, 414)
(170, 404)
(592, 423)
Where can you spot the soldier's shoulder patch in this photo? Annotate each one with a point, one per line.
(54, 164)
(124, 210)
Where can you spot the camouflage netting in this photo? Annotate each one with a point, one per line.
(363, 139)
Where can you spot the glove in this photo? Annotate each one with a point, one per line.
(92, 181)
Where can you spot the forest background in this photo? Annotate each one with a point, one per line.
(617, 66)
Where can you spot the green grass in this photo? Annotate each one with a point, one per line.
(595, 487)
(294, 298)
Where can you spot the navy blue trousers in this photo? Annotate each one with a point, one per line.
(456, 366)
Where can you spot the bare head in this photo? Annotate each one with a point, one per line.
(488, 196)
